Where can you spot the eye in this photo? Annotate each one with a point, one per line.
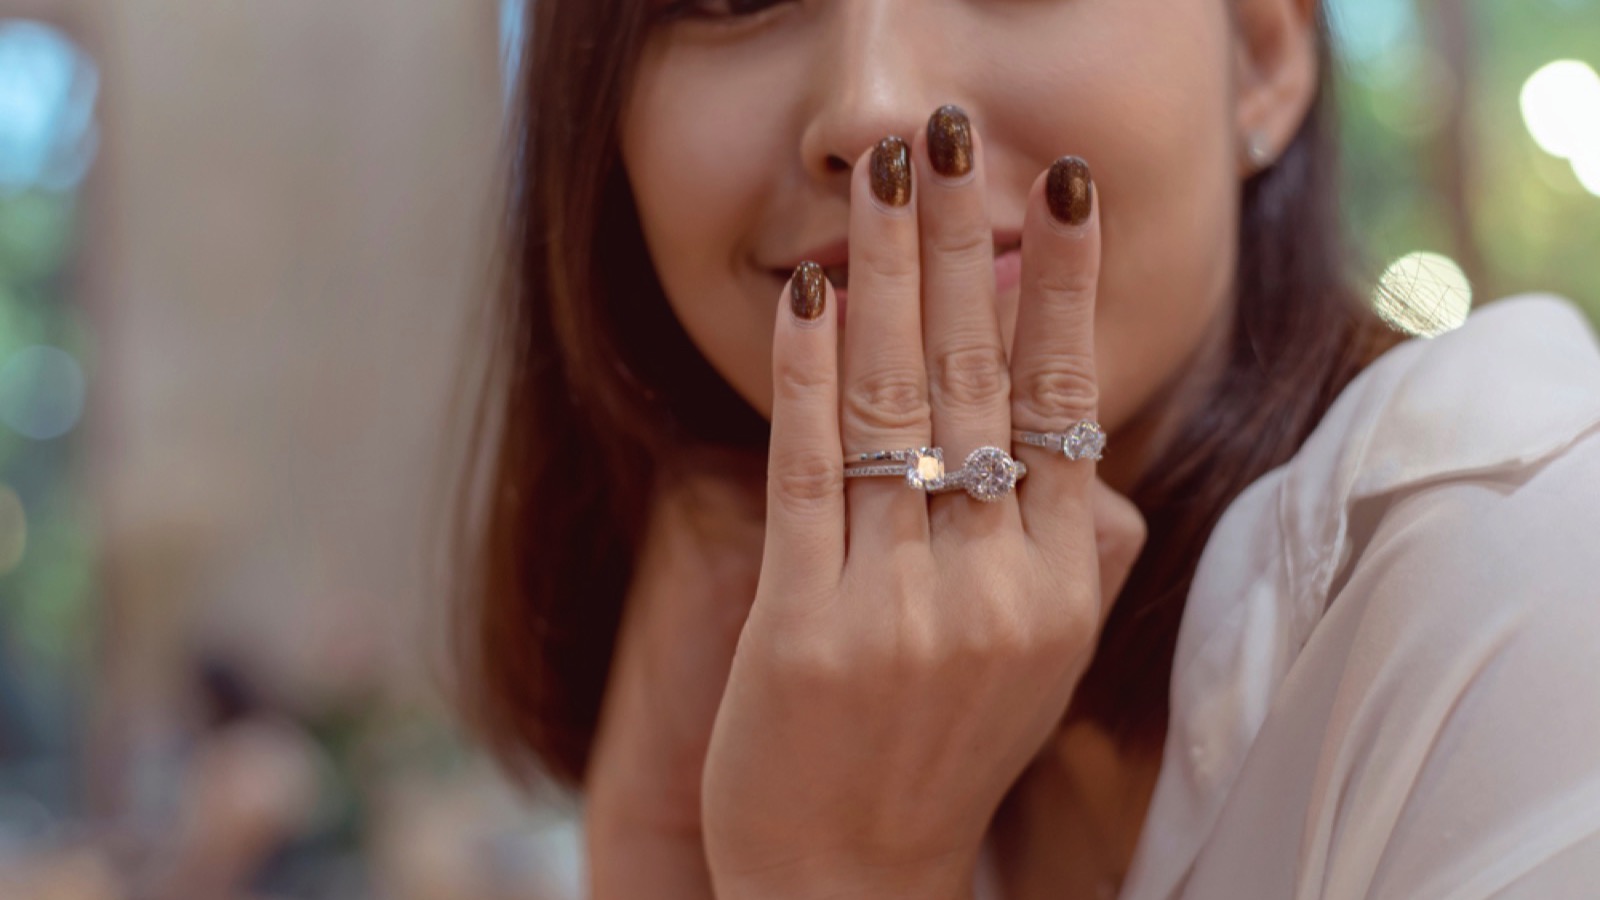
(712, 9)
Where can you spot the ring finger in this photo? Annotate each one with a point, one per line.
(1053, 364)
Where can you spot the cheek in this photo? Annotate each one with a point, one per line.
(1149, 105)
(699, 159)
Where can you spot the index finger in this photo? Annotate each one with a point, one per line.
(805, 468)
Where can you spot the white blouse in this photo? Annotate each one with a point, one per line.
(1387, 677)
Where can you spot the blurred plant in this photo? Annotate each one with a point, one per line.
(48, 136)
(1437, 152)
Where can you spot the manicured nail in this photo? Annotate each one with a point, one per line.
(950, 141)
(1070, 190)
(807, 291)
(891, 171)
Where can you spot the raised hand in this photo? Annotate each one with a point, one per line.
(907, 655)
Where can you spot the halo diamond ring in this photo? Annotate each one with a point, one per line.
(988, 475)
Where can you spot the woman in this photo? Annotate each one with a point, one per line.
(757, 244)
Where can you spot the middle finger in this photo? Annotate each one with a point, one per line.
(969, 376)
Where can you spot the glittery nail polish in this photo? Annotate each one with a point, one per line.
(891, 171)
(1070, 190)
(807, 291)
(950, 141)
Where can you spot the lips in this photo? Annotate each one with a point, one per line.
(835, 261)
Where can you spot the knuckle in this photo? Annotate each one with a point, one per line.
(1008, 635)
(970, 375)
(892, 267)
(1066, 283)
(812, 662)
(796, 382)
(890, 399)
(916, 647)
(805, 481)
(963, 248)
(1058, 388)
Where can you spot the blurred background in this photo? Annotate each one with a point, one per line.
(238, 243)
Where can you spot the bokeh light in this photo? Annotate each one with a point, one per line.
(13, 529)
(1587, 168)
(41, 392)
(48, 88)
(1424, 294)
(1561, 107)
(1369, 30)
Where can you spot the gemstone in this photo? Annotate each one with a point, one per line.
(925, 468)
(1086, 440)
(989, 474)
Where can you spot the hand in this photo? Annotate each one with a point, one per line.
(907, 656)
(692, 588)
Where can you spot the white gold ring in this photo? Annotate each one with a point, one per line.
(921, 467)
(1084, 440)
(988, 474)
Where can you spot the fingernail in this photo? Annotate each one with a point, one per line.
(950, 141)
(891, 171)
(807, 291)
(1070, 190)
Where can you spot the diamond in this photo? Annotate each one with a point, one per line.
(989, 474)
(925, 468)
(1086, 440)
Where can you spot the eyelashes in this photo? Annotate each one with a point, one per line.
(713, 11)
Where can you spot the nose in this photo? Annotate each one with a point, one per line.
(871, 81)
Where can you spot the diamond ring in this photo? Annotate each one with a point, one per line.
(921, 467)
(1085, 440)
(988, 474)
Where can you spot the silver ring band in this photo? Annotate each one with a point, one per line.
(921, 467)
(1084, 440)
(988, 475)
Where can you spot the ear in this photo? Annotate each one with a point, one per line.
(1275, 75)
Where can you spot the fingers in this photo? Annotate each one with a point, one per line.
(1052, 367)
(968, 374)
(805, 468)
(883, 393)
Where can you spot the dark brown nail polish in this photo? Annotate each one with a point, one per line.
(1070, 190)
(807, 291)
(891, 171)
(950, 141)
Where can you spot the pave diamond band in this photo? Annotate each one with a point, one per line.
(1084, 440)
(988, 474)
(921, 467)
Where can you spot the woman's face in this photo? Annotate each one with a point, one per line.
(744, 117)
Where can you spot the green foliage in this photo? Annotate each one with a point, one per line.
(1529, 224)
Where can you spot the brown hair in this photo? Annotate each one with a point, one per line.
(580, 413)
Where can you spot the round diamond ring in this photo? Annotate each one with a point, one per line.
(1085, 440)
(988, 474)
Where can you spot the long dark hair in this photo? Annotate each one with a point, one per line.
(580, 415)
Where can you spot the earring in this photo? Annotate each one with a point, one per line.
(1256, 149)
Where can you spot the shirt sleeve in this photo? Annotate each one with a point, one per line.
(1462, 757)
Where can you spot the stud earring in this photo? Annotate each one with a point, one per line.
(1256, 149)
